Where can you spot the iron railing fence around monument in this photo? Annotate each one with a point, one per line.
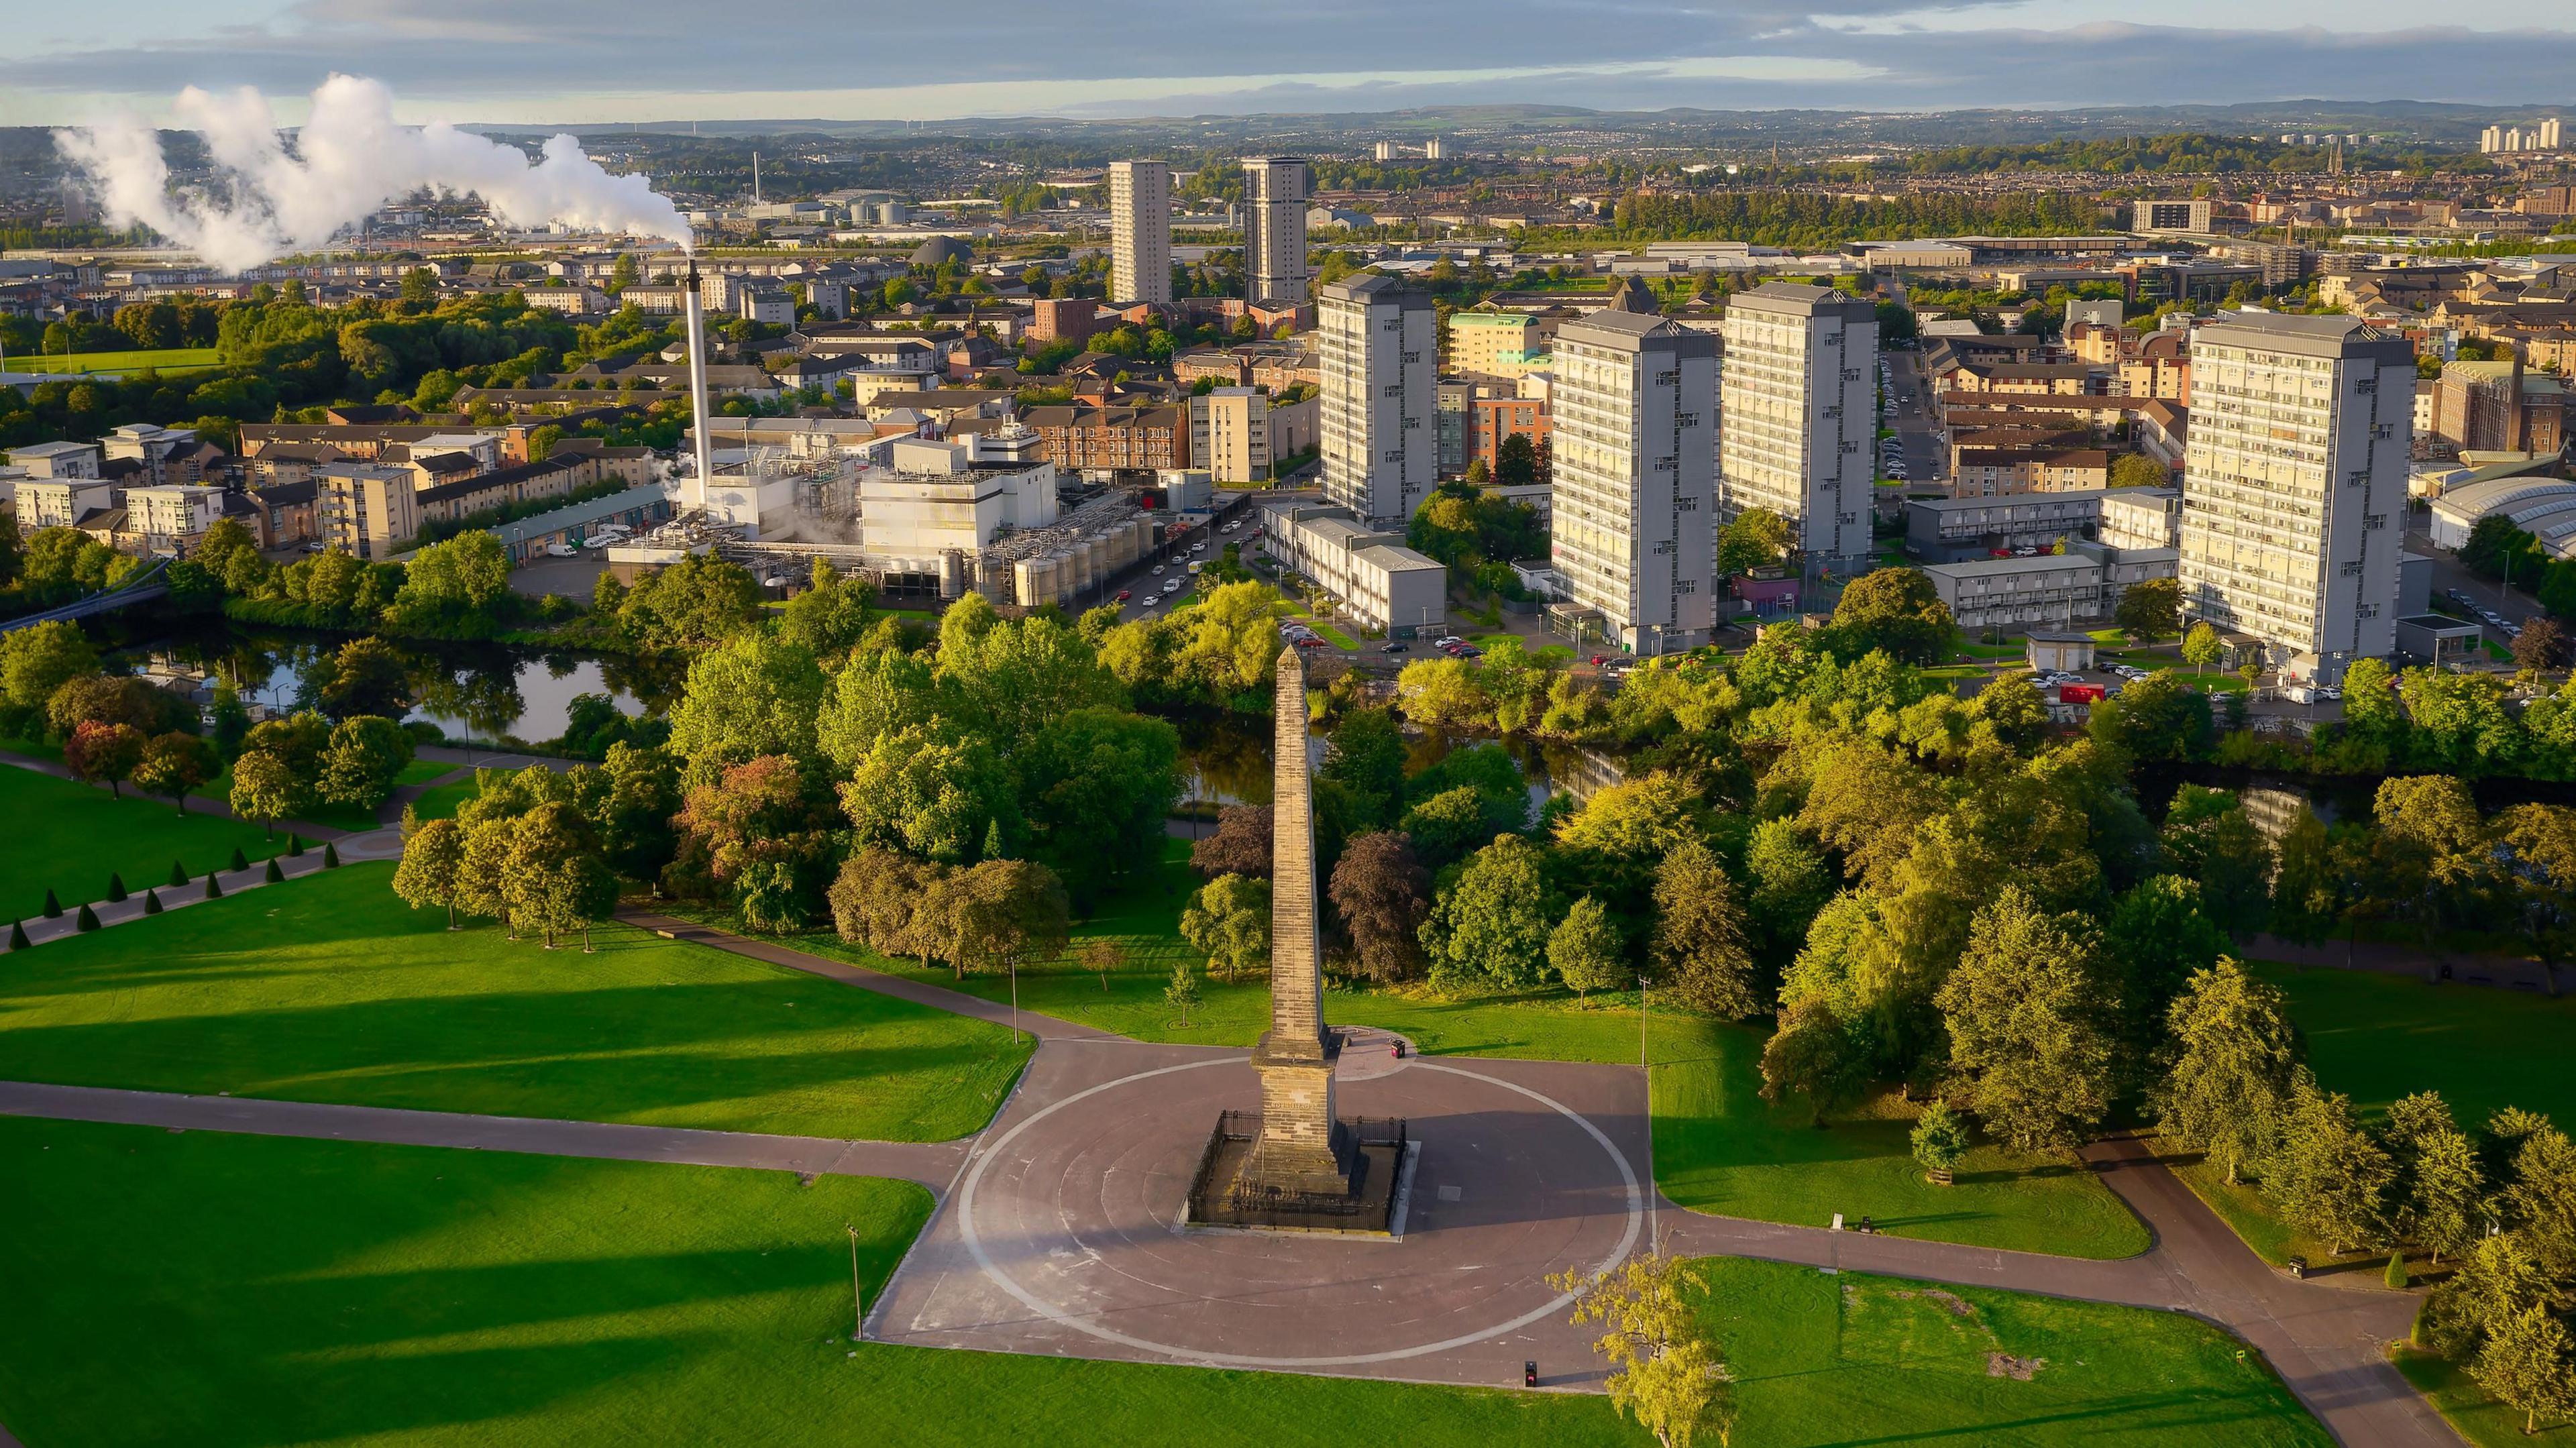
(1274, 1207)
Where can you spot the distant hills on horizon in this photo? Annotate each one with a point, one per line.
(1967, 125)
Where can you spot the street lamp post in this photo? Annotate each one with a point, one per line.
(858, 1299)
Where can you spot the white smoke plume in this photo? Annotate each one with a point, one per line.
(348, 159)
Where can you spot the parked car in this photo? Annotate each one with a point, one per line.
(1399, 648)
(1171, 585)
(1158, 568)
(1125, 594)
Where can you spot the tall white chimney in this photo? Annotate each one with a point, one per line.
(701, 416)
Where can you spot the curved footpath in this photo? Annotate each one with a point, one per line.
(2327, 1342)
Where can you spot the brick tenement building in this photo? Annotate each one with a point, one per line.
(1063, 319)
(1113, 437)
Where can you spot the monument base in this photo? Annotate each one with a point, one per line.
(1230, 1192)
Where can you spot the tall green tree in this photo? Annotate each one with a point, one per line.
(433, 858)
(556, 882)
(2026, 1014)
(756, 695)
(1816, 1055)
(1700, 949)
(1895, 609)
(1587, 951)
(1490, 925)
(174, 765)
(2328, 1177)
(267, 788)
(1787, 882)
(1229, 921)
(2150, 609)
(1756, 538)
(1664, 1372)
(1366, 755)
(2530, 1364)
(2201, 647)
(366, 755)
(2234, 1057)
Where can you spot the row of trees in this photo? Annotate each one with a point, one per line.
(540, 871)
(458, 588)
(278, 350)
(2500, 1202)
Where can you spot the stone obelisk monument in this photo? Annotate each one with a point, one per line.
(1299, 1148)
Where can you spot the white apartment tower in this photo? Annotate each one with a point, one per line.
(1140, 219)
(2294, 485)
(1633, 493)
(1380, 344)
(1274, 229)
(1801, 413)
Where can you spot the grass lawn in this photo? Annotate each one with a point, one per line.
(1333, 635)
(167, 359)
(2480, 1419)
(338, 1292)
(1719, 1147)
(33, 748)
(1852, 1359)
(441, 801)
(2379, 1037)
(70, 837)
(422, 771)
(329, 989)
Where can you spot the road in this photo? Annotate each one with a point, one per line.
(1926, 459)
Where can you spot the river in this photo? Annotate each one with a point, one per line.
(490, 693)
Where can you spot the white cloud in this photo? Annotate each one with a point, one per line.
(591, 61)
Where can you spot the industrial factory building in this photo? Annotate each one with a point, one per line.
(1385, 585)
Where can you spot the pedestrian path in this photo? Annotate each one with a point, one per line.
(933, 1164)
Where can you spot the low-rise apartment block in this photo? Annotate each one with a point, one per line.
(366, 510)
(1384, 584)
(172, 517)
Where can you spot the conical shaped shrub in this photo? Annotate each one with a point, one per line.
(87, 919)
(214, 886)
(151, 903)
(275, 876)
(18, 936)
(53, 907)
(240, 860)
(115, 886)
(178, 874)
(330, 855)
(294, 843)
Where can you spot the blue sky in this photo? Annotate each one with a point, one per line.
(561, 61)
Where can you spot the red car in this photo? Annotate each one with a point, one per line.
(1125, 594)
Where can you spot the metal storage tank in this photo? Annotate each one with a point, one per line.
(1035, 580)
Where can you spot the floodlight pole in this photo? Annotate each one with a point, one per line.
(858, 1302)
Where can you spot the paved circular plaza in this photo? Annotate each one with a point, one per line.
(1071, 1212)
